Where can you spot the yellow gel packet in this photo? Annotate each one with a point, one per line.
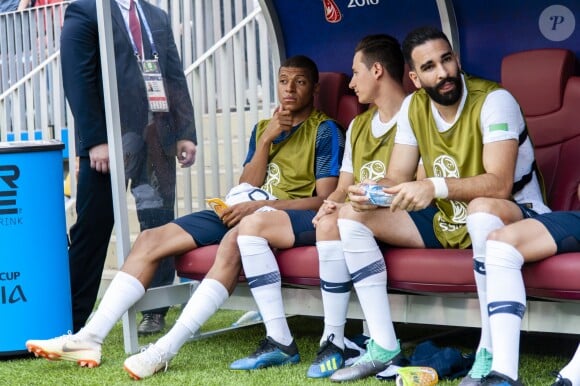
(416, 376)
(217, 205)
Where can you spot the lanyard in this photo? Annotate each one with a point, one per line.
(147, 30)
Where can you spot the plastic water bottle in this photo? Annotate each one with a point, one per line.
(376, 195)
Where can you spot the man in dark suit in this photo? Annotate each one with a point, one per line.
(151, 140)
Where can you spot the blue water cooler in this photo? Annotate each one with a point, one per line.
(35, 298)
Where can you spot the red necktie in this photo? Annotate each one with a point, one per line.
(135, 28)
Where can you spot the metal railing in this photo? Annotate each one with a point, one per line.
(32, 103)
(228, 58)
(232, 82)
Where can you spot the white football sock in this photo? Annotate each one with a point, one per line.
(572, 369)
(261, 270)
(334, 272)
(479, 226)
(124, 291)
(205, 301)
(506, 298)
(366, 265)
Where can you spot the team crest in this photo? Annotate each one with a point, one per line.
(273, 176)
(374, 170)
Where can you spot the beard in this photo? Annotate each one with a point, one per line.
(449, 98)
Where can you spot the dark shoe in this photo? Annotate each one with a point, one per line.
(151, 324)
(353, 351)
(375, 360)
(269, 353)
(468, 380)
(499, 379)
(561, 381)
(329, 358)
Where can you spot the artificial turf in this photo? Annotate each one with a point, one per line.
(206, 361)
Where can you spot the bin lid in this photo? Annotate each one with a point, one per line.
(30, 146)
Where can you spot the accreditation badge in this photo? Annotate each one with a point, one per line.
(154, 86)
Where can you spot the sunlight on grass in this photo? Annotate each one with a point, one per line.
(206, 361)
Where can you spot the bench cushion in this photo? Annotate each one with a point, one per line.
(413, 270)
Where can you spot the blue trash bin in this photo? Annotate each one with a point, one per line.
(34, 271)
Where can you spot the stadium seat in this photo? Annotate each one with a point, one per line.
(336, 99)
(332, 86)
(550, 100)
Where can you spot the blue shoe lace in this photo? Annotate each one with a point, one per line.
(376, 352)
(482, 365)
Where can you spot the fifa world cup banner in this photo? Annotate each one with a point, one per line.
(328, 30)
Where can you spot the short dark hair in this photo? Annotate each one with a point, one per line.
(384, 49)
(419, 36)
(302, 61)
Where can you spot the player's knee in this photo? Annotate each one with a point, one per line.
(327, 228)
(253, 225)
(503, 235)
(147, 238)
(496, 235)
(347, 212)
(147, 246)
(482, 204)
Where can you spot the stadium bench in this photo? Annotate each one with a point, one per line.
(431, 286)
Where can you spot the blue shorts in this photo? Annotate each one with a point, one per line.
(206, 228)
(564, 227)
(423, 220)
(526, 211)
(304, 231)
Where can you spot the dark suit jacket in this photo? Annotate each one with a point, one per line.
(81, 70)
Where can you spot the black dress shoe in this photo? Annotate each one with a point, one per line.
(151, 324)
